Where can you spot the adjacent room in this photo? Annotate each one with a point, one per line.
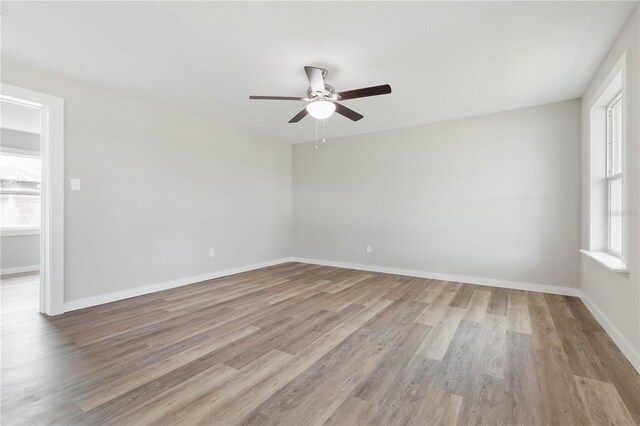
(320, 213)
(20, 180)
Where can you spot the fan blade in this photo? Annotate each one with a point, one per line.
(276, 98)
(367, 91)
(299, 116)
(315, 79)
(347, 112)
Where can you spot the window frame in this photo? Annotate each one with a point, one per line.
(597, 203)
(13, 231)
(610, 176)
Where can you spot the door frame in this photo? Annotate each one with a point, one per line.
(52, 192)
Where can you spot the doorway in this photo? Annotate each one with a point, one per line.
(20, 183)
(32, 208)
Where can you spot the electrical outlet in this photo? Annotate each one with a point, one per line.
(212, 253)
(369, 248)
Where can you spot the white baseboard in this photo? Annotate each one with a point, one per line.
(623, 344)
(20, 270)
(87, 302)
(516, 285)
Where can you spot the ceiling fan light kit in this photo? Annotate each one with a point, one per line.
(321, 108)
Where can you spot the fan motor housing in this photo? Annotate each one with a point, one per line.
(329, 92)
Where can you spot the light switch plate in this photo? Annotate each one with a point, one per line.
(75, 185)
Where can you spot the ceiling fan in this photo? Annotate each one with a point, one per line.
(323, 99)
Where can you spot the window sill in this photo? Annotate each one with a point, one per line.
(16, 232)
(609, 261)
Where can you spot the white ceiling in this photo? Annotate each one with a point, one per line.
(443, 60)
(22, 119)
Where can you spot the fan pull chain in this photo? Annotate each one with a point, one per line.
(324, 140)
(316, 134)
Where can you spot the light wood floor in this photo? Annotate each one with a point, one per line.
(301, 344)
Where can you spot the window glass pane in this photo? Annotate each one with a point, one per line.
(615, 215)
(19, 167)
(19, 173)
(20, 186)
(616, 138)
(20, 210)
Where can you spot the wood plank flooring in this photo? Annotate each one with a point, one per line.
(299, 344)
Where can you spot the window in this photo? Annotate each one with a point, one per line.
(614, 175)
(608, 239)
(20, 192)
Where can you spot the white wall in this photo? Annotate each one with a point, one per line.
(494, 197)
(19, 253)
(159, 188)
(616, 296)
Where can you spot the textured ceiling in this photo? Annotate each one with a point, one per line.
(444, 60)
